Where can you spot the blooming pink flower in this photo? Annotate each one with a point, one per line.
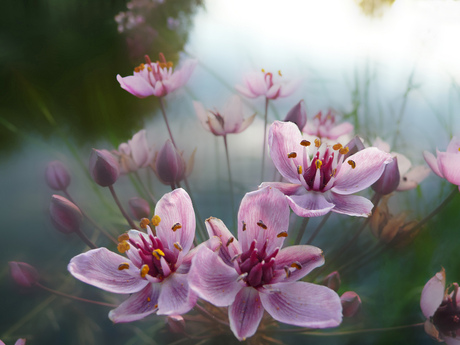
(442, 309)
(135, 154)
(261, 84)
(18, 342)
(446, 164)
(320, 178)
(324, 127)
(254, 274)
(155, 272)
(228, 120)
(156, 78)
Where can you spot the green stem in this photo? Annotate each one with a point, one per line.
(163, 111)
(147, 190)
(232, 200)
(301, 231)
(122, 210)
(264, 141)
(318, 228)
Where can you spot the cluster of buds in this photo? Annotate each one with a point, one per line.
(351, 302)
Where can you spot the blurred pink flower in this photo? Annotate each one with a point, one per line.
(135, 154)
(156, 78)
(18, 342)
(325, 127)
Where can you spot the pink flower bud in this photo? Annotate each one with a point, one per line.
(332, 281)
(350, 303)
(170, 165)
(176, 323)
(298, 115)
(139, 207)
(103, 167)
(389, 181)
(57, 176)
(23, 274)
(65, 215)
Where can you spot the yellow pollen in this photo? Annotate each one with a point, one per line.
(292, 155)
(157, 253)
(459, 148)
(318, 164)
(155, 306)
(334, 171)
(288, 271)
(296, 265)
(352, 163)
(156, 220)
(123, 247)
(148, 299)
(244, 225)
(178, 246)
(123, 237)
(230, 240)
(149, 69)
(144, 270)
(144, 222)
(141, 66)
(123, 266)
(137, 69)
(299, 169)
(263, 71)
(317, 142)
(176, 227)
(282, 234)
(305, 143)
(262, 224)
(279, 73)
(344, 151)
(337, 146)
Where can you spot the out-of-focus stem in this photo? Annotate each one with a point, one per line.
(318, 228)
(147, 190)
(264, 141)
(301, 231)
(85, 239)
(163, 111)
(230, 181)
(123, 212)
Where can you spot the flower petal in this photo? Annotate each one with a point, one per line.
(352, 205)
(289, 88)
(285, 188)
(303, 304)
(176, 297)
(176, 207)
(449, 164)
(454, 145)
(339, 130)
(212, 279)
(246, 123)
(451, 341)
(310, 204)
(432, 161)
(99, 267)
(136, 85)
(138, 305)
(433, 294)
(369, 166)
(185, 261)
(412, 179)
(232, 113)
(245, 313)
(202, 114)
(269, 206)
(230, 247)
(18, 342)
(140, 149)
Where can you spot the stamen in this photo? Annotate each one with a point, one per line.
(262, 224)
(156, 220)
(344, 150)
(292, 155)
(334, 171)
(148, 299)
(149, 69)
(144, 270)
(296, 265)
(155, 306)
(282, 234)
(459, 148)
(123, 247)
(279, 73)
(337, 146)
(242, 276)
(162, 57)
(123, 237)
(137, 69)
(288, 271)
(176, 227)
(305, 143)
(157, 253)
(230, 240)
(123, 266)
(144, 222)
(299, 169)
(178, 246)
(352, 163)
(244, 225)
(235, 257)
(318, 164)
(263, 71)
(317, 142)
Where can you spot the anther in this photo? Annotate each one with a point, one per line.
(318, 164)
(334, 171)
(292, 155)
(137, 69)
(282, 234)
(242, 276)
(299, 169)
(144, 222)
(176, 226)
(296, 265)
(344, 150)
(230, 240)
(178, 246)
(279, 73)
(123, 266)
(263, 71)
(288, 271)
(157, 253)
(317, 142)
(123, 237)
(156, 220)
(459, 148)
(262, 224)
(235, 257)
(144, 270)
(148, 299)
(149, 69)
(337, 146)
(123, 247)
(352, 163)
(305, 143)
(244, 225)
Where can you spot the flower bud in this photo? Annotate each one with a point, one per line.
(332, 281)
(298, 115)
(176, 323)
(57, 175)
(65, 215)
(350, 303)
(23, 274)
(139, 207)
(389, 180)
(169, 164)
(354, 145)
(103, 167)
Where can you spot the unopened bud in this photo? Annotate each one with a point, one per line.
(139, 207)
(103, 167)
(389, 180)
(350, 303)
(23, 274)
(332, 281)
(57, 175)
(169, 164)
(355, 145)
(298, 115)
(65, 215)
(176, 323)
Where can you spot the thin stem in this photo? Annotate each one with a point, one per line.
(373, 250)
(163, 111)
(147, 190)
(62, 294)
(123, 212)
(203, 232)
(209, 315)
(85, 239)
(301, 231)
(318, 228)
(230, 181)
(265, 138)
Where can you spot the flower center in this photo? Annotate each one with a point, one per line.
(447, 316)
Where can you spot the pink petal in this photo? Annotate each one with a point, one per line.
(176, 297)
(185, 261)
(370, 164)
(381, 145)
(454, 145)
(232, 113)
(212, 279)
(229, 247)
(290, 87)
(99, 267)
(285, 188)
(202, 114)
(245, 313)
(245, 91)
(404, 163)
(303, 304)
(18, 342)
(246, 123)
(274, 91)
(352, 205)
(270, 206)
(433, 294)
(309, 257)
(255, 82)
(176, 207)
(451, 341)
(449, 164)
(181, 76)
(432, 161)
(138, 305)
(136, 85)
(140, 148)
(310, 204)
(338, 131)
(413, 178)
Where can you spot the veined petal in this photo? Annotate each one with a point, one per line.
(176, 207)
(454, 145)
(285, 188)
(310, 204)
(212, 279)
(369, 166)
(433, 294)
(263, 214)
(99, 267)
(136, 85)
(138, 305)
(449, 164)
(432, 161)
(230, 247)
(303, 304)
(245, 313)
(185, 261)
(176, 297)
(352, 205)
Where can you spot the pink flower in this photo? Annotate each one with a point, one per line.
(18, 342)
(320, 178)
(442, 309)
(156, 270)
(228, 120)
(324, 127)
(254, 274)
(261, 84)
(135, 154)
(446, 164)
(156, 78)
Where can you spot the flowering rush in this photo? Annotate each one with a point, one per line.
(18, 342)
(446, 164)
(156, 269)
(156, 78)
(325, 127)
(135, 154)
(320, 178)
(254, 274)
